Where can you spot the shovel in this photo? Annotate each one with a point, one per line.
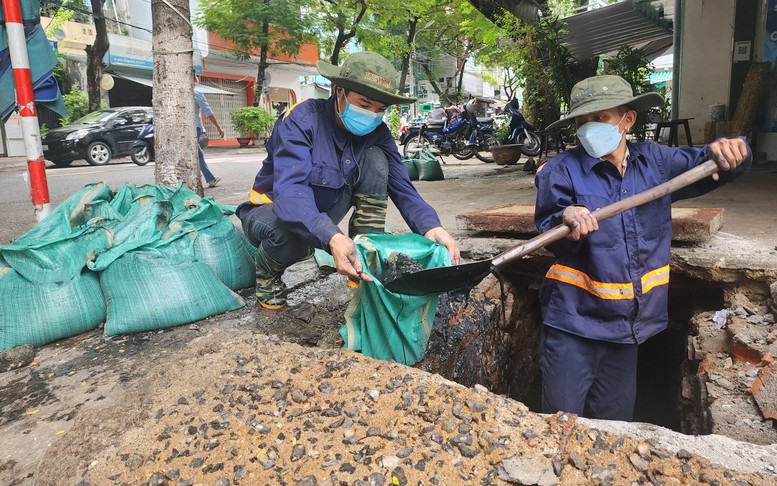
(465, 276)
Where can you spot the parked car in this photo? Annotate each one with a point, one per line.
(97, 137)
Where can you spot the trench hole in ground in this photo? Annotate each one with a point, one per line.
(472, 343)
(489, 339)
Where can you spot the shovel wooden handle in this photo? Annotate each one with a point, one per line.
(562, 231)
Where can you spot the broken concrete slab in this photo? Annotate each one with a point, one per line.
(688, 224)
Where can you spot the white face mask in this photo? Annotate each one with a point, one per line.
(599, 139)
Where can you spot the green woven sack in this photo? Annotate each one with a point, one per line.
(428, 165)
(145, 290)
(58, 248)
(37, 313)
(227, 252)
(412, 168)
(380, 323)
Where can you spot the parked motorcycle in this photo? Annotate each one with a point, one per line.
(523, 132)
(143, 148)
(451, 137)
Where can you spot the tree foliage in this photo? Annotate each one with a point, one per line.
(337, 23)
(632, 65)
(263, 27)
(433, 39)
(535, 58)
(72, 10)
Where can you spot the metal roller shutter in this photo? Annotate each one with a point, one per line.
(223, 106)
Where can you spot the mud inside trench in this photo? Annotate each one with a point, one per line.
(706, 374)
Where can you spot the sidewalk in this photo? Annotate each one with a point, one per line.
(11, 163)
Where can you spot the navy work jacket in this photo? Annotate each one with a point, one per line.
(310, 158)
(613, 285)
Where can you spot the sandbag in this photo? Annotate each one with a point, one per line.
(56, 249)
(37, 314)
(228, 253)
(428, 166)
(412, 168)
(380, 323)
(145, 290)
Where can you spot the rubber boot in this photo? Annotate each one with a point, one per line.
(369, 215)
(270, 289)
(368, 218)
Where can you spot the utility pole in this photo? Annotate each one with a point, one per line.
(25, 98)
(175, 139)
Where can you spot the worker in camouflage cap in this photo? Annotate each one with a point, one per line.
(323, 158)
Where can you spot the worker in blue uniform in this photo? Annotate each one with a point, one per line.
(607, 290)
(323, 158)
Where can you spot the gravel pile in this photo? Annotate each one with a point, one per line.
(236, 407)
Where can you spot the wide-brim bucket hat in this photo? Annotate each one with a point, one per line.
(367, 73)
(599, 93)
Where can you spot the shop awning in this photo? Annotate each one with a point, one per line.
(660, 77)
(526, 10)
(637, 23)
(149, 82)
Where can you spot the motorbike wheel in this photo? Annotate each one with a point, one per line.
(414, 144)
(464, 154)
(532, 146)
(141, 156)
(483, 151)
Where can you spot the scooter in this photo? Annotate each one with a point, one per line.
(143, 148)
(523, 132)
(450, 137)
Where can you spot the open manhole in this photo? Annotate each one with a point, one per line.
(695, 377)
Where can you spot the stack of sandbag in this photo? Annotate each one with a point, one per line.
(139, 259)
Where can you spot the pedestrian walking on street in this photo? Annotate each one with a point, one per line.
(607, 291)
(324, 157)
(201, 107)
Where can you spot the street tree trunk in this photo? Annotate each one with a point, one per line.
(175, 134)
(263, 65)
(344, 36)
(94, 56)
(411, 31)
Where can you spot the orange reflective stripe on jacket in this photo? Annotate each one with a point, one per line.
(608, 290)
(258, 198)
(659, 276)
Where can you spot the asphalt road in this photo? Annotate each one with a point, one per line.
(236, 169)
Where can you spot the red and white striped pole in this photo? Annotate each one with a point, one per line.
(25, 98)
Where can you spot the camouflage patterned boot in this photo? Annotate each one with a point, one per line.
(369, 215)
(270, 289)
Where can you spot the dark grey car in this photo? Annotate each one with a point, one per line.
(97, 137)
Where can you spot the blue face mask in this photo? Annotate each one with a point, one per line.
(599, 139)
(359, 121)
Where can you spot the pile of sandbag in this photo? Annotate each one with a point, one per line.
(138, 259)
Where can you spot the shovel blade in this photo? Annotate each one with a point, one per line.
(439, 280)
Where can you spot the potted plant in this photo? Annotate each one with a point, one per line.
(505, 153)
(250, 122)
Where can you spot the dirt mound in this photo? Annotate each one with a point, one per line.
(236, 407)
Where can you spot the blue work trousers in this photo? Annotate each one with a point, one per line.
(591, 378)
(262, 226)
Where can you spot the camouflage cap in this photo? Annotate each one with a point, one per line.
(599, 93)
(367, 73)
